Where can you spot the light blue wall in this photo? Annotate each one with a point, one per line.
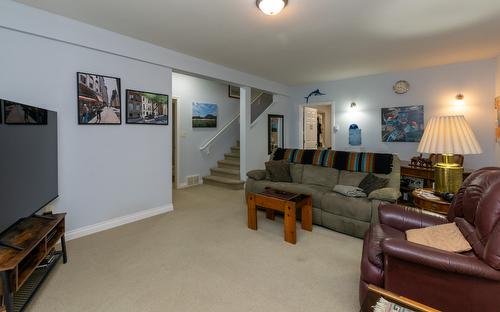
(189, 89)
(105, 172)
(433, 87)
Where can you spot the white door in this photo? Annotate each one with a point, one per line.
(310, 128)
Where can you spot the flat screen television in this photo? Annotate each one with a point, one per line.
(28, 161)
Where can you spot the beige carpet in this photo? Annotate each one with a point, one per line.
(202, 257)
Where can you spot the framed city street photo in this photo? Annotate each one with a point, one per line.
(99, 100)
(146, 108)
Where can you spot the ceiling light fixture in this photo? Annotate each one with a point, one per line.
(271, 7)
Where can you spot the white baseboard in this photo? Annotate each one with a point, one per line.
(112, 223)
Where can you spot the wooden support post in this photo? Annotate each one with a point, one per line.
(252, 212)
(290, 221)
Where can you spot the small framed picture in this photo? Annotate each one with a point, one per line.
(204, 115)
(146, 108)
(99, 100)
(234, 92)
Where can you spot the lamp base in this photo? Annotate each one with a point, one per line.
(448, 177)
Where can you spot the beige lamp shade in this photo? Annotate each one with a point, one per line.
(449, 135)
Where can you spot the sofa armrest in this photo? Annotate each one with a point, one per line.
(257, 174)
(406, 218)
(438, 259)
(387, 194)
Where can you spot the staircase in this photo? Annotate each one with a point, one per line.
(227, 172)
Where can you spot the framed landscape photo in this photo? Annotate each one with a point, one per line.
(146, 108)
(99, 100)
(403, 124)
(204, 115)
(234, 92)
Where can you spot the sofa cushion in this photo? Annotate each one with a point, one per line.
(279, 170)
(296, 171)
(317, 175)
(316, 191)
(351, 178)
(354, 208)
(344, 225)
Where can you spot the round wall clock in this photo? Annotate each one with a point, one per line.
(401, 87)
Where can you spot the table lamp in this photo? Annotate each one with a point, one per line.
(448, 135)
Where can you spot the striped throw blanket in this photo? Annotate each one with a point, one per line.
(351, 161)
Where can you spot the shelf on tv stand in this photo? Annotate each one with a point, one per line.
(37, 237)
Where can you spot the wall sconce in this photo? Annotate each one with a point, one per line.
(459, 99)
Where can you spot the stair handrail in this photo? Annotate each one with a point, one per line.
(223, 129)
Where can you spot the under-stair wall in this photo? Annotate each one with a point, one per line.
(193, 162)
(257, 133)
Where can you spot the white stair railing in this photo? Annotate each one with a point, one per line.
(206, 146)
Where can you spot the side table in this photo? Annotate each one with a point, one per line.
(437, 204)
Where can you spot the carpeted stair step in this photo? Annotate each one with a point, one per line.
(235, 150)
(224, 182)
(232, 157)
(230, 164)
(226, 173)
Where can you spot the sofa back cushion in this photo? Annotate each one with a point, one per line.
(317, 175)
(296, 171)
(354, 178)
(351, 178)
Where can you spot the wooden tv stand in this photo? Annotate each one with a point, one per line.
(36, 237)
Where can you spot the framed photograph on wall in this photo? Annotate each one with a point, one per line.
(402, 124)
(234, 92)
(146, 108)
(275, 132)
(99, 99)
(204, 115)
(21, 114)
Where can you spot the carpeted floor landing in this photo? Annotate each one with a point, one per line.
(202, 257)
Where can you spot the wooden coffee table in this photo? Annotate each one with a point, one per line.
(274, 200)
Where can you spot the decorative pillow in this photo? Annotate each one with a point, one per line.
(371, 183)
(385, 194)
(279, 170)
(444, 236)
(257, 174)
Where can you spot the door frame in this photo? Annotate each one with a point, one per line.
(301, 120)
(177, 140)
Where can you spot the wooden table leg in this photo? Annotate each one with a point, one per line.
(306, 221)
(270, 214)
(252, 212)
(290, 220)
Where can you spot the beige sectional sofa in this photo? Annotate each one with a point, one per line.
(344, 214)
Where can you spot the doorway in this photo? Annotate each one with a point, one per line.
(316, 122)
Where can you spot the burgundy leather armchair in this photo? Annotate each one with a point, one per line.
(443, 280)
